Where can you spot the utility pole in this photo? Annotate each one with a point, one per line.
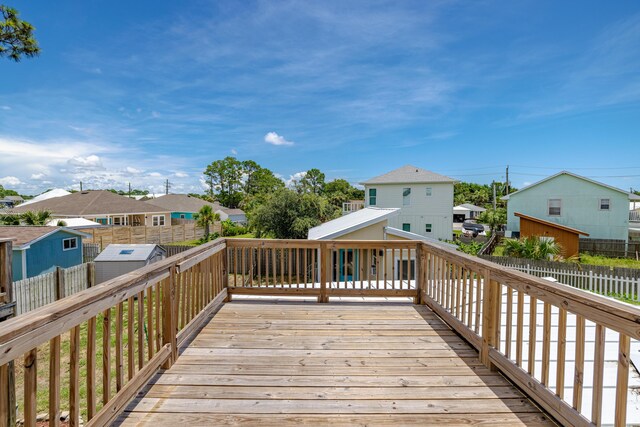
(507, 181)
(80, 186)
(129, 190)
(166, 189)
(493, 184)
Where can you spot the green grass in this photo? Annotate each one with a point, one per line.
(243, 236)
(610, 262)
(195, 242)
(623, 298)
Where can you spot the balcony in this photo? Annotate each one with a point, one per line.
(352, 206)
(634, 216)
(379, 332)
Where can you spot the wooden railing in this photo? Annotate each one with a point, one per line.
(121, 332)
(101, 345)
(323, 268)
(493, 308)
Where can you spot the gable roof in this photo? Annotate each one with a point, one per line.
(56, 192)
(408, 174)
(351, 222)
(549, 178)
(469, 207)
(24, 235)
(181, 203)
(413, 236)
(95, 202)
(231, 211)
(550, 224)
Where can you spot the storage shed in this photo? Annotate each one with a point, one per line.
(116, 260)
(567, 237)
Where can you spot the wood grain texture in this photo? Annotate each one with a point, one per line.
(267, 364)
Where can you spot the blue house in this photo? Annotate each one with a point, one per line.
(181, 206)
(38, 250)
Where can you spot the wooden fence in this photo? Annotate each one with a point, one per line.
(595, 278)
(610, 248)
(175, 249)
(90, 251)
(104, 236)
(44, 289)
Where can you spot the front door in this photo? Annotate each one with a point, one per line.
(348, 265)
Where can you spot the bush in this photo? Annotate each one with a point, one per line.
(230, 229)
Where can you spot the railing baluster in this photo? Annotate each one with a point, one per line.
(106, 356)
(598, 375)
(91, 367)
(54, 382)
(578, 378)
(150, 328)
(509, 322)
(562, 348)
(533, 308)
(546, 343)
(478, 301)
(140, 339)
(130, 339)
(74, 380)
(519, 328)
(118, 349)
(30, 387)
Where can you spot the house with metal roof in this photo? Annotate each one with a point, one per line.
(424, 198)
(40, 249)
(181, 206)
(103, 207)
(466, 211)
(235, 215)
(573, 201)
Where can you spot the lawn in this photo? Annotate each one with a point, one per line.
(610, 262)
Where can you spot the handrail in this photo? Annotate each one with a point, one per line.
(469, 292)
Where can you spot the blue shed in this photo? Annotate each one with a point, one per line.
(38, 250)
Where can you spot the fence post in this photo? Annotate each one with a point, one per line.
(59, 284)
(490, 318)
(169, 312)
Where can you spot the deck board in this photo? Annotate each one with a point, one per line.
(339, 364)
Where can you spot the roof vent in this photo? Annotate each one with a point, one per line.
(416, 170)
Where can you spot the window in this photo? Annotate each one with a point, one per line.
(555, 207)
(406, 196)
(427, 228)
(158, 220)
(406, 227)
(182, 216)
(372, 196)
(68, 244)
(605, 204)
(428, 191)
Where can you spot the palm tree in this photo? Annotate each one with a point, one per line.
(532, 247)
(205, 217)
(10, 219)
(36, 217)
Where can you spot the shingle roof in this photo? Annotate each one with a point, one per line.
(181, 203)
(351, 222)
(231, 211)
(94, 202)
(408, 174)
(470, 207)
(25, 234)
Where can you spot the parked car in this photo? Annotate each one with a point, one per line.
(473, 226)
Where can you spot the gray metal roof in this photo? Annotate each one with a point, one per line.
(408, 174)
(351, 222)
(119, 252)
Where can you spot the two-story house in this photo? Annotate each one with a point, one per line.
(573, 201)
(425, 200)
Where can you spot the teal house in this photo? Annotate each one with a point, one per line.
(181, 206)
(573, 201)
(39, 250)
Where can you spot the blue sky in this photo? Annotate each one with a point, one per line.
(146, 91)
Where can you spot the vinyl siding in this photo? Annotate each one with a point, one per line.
(435, 209)
(16, 265)
(47, 254)
(580, 207)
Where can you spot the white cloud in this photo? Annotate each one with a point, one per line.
(181, 175)
(274, 139)
(155, 174)
(293, 179)
(10, 180)
(5, 107)
(132, 171)
(91, 162)
(234, 151)
(37, 176)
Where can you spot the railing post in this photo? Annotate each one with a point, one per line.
(325, 262)
(7, 310)
(169, 315)
(420, 273)
(490, 318)
(225, 271)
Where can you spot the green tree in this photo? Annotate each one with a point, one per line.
(16, 36)
(339, 191)
(493, 218)
(36, 217)
(224, 178)
(312, 182)
(531, 247)
(262, 181)
(10, 219)
(6, 192)
(205, 218)
(289, 215)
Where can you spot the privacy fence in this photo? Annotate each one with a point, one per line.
(610, 248)
(104, 236)
(595, 278)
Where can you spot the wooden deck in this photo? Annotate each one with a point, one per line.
(268, 363)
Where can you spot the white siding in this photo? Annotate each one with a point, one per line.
(435, 209)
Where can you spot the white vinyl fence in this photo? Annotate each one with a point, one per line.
(46, 288)
(590, 278)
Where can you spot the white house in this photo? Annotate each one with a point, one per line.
(574, 201)
(425, 199)
(466, 211)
